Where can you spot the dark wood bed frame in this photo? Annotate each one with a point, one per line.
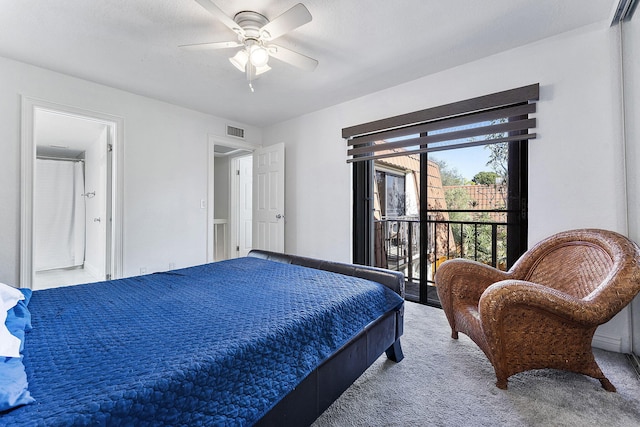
(329, 380)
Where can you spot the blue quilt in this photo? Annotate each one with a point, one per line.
(216, 344)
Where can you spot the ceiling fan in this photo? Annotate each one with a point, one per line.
(255, 34)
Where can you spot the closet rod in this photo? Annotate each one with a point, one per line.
(59, 158)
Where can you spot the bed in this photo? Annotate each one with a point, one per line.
(269, 339)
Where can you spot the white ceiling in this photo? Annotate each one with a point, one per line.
(361, 46)
(61, 135)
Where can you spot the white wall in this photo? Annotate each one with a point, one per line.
(578, 125)
(575, 178)
(317, 187)
(165, 167)
(221, 188)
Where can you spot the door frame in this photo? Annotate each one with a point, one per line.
(362, 213)
(212, 141)
(115, 125)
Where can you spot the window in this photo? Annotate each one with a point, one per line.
(396, 157)
(391, 191)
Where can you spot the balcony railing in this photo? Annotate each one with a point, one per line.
(397, 242)
(397, 246)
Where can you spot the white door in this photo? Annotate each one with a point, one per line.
(96, 199)
(268, 198)
(245, 211)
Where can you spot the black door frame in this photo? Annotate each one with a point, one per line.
(363, 182)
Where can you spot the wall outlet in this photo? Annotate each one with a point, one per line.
(172, 266)
(203, 203)
(143, 270)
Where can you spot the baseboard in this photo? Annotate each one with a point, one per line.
(607, 343)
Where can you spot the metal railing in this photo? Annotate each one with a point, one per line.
(397, 241)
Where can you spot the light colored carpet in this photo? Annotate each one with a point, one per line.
(446, 382)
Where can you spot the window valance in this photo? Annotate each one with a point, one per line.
(489, 119)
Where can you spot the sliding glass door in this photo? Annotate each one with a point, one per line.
(441, 183)
(430, 207)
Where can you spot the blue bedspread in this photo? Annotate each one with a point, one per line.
(217, 344)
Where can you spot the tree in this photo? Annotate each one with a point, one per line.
(473, 231)
(457, 199)
(449, 175)
(498, 158)
(478, 237)
(485, 178)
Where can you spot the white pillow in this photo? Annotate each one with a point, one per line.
(9, 344)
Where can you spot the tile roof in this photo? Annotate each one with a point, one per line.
(485, 197)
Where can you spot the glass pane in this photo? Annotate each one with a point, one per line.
(474, 195)
(466, 208)
(395, 196)
(396, 216)
(466, 211)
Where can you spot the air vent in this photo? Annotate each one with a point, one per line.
(235, 132)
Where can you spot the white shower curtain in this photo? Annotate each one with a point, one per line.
(59, 214)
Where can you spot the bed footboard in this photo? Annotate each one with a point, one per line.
(329, 380)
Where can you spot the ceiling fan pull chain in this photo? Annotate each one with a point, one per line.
(250, 69)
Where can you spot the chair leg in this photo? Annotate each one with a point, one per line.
(606, 384)
(592, 369)
(454, 334)
(501, 383)
(501, 378)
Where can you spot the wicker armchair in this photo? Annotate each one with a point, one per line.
(543, 312)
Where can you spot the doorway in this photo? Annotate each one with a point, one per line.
(230, 199)
(70, 213)
(266, 196)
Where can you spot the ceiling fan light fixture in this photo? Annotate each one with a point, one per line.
(240, 60)
(262, 69)
(255, 33)
(259, 56)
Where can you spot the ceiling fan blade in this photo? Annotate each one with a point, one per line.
(220, 15)
(293, 18)
(290, 57)
(210, 46)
